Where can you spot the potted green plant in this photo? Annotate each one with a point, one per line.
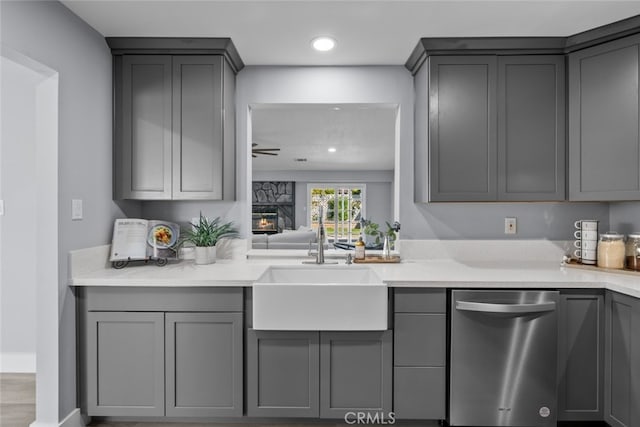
(205, 234)
(372, 234)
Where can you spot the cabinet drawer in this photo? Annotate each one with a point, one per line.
(118, 298)
(418, 300)
(419, 393)
(420, 339)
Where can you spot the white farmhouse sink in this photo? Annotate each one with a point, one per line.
(319, 298)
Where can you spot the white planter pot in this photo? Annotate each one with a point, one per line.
(205, 255)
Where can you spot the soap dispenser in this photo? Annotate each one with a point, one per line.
(359, 255)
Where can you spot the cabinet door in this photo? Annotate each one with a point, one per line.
(580, 357)
(462, 128)
(143, 127)
(204, 364)
(125, 366)
(622, 361)
(356, 373)
(283, 371)
(198, 148)
(420, 339)
(604, 145)
(531, 134)
(419, 392)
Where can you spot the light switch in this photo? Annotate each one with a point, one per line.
(76, 209)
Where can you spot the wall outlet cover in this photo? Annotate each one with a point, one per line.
(510, 226)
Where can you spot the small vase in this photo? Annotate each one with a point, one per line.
(205, 255)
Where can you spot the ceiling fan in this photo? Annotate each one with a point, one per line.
(264, 151)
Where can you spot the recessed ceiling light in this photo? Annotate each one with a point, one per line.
(323, 43)
(332, 149)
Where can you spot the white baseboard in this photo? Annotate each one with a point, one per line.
(18, 363)
(74, 419)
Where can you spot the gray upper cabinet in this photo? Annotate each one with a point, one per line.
(142, 166)
(174, 118)
(531, 128)
(198, 147)
(462, 128)
(604, 143)
(495, 128)
(580, 356)
(622, 361)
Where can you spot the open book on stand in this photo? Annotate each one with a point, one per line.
(136, 239)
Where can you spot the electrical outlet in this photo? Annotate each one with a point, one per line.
(510, 226)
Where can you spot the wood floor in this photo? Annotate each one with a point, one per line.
(17, 400)
(18, 409)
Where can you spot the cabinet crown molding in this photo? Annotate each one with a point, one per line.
(177, 46)
(520, 45)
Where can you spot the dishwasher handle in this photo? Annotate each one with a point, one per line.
(505, 308)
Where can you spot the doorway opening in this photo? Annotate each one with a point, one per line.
(29, 223)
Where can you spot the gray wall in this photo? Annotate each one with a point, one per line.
(50, 34)
(624, 217)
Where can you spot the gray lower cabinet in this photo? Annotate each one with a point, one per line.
(125, 366)
(622, 361)
(174, 135)
(283, 374)
(159, 352)
(581, 356)
(203, 364)
(493, 128)
(318, 374)
(604, 140)
(355, 373)
(420, 353)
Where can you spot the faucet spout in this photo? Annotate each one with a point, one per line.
(320, 238)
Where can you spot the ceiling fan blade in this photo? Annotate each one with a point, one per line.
(264, 153)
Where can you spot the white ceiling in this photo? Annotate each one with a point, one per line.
(363, 136)
(368, 32)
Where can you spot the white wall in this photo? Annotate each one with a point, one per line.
(50, 34)
(17, 231)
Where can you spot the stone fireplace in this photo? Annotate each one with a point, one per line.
(273, 206)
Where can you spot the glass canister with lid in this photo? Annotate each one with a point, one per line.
(632, 251)
(611, 250)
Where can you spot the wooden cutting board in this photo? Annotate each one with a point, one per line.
(379, 259)
(573, 263)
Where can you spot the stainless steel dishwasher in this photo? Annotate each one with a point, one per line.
(503, 358)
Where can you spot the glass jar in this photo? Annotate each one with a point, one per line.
(611, 250)
(632, 251)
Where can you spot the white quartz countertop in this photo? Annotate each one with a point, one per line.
(424, 273)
